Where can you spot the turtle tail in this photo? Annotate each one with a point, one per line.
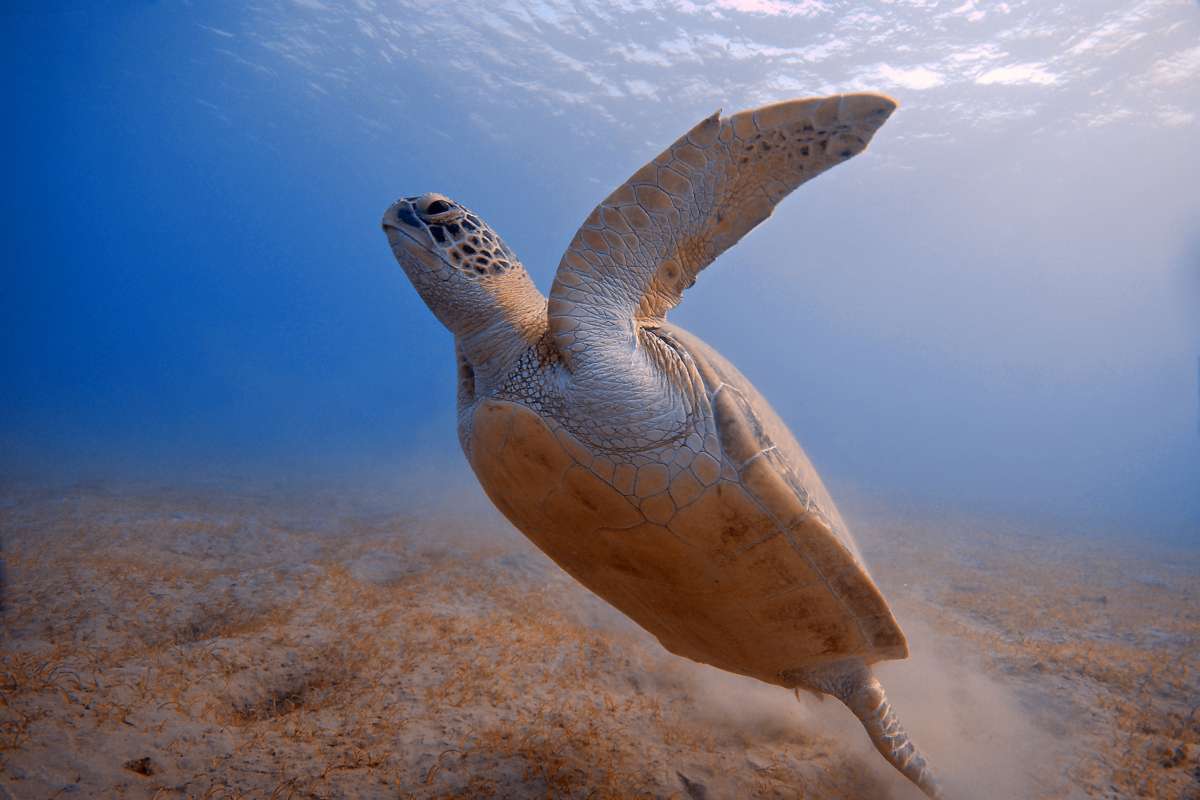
(861, 692)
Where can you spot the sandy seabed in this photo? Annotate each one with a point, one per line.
(169, 643)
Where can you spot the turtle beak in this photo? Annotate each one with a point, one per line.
(411, 242)
(404, 228)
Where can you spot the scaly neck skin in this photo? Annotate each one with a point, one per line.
(494, 337)
(471, 281)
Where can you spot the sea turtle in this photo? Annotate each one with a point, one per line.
(630, 451)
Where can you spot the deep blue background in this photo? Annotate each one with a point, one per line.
(195, 282)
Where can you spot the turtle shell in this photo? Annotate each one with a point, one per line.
(727, 548)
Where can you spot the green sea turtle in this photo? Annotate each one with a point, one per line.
(631, 452)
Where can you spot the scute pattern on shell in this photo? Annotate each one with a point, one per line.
(714, 542)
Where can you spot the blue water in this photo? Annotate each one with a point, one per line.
(998, 306)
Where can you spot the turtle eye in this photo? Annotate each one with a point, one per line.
(436, 208)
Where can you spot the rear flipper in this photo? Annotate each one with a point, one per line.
(853, 683)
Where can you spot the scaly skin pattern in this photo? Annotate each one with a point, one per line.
(632, 453)
(853, 684)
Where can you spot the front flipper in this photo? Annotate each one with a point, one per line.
(640, 248)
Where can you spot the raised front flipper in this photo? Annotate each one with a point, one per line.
(639, 249)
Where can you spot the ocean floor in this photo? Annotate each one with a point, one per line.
(212, 643)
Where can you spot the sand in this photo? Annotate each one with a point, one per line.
(220, 643)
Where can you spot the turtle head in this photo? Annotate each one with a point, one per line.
(443, 235)
(453, 258)
(462, 269)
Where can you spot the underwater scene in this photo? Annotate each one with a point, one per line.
(567, 399)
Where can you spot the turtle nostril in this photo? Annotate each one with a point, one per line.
(404, 212)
